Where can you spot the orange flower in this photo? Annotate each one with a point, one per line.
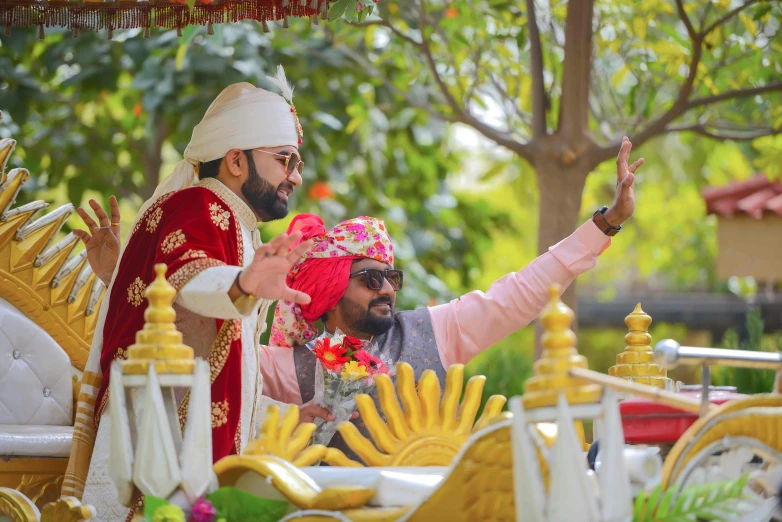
(451, 12)
(331, 357)
(320, 190)
(137, 109)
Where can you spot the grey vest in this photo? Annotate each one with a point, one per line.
(410, 340)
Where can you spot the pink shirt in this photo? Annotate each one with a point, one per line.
(474, 322)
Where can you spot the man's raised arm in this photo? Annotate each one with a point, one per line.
(466, 326)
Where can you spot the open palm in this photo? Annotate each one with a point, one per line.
(102, 242)
(266, 275)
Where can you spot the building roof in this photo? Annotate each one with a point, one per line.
(755, 196)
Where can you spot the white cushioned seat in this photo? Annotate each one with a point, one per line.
(35, 441)
(35, 373)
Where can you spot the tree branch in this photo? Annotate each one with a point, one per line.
(740, 136)
(686, 19)
(729, 15)
(536, 71)
(659, 125)
(514, 103)
(461, 114)
(730, 95)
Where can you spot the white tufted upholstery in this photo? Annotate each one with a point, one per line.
(35, 374)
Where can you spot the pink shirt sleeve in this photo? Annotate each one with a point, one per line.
(466, 326)
(279, 375)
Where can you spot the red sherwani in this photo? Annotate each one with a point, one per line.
(205, 235)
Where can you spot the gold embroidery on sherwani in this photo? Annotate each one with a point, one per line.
(237, 206)
(229, 332)
(219, 413)
(193, 254)
(154, 219)
(188, 271)
(220, 217)
(173, 241)
(151, 210)
(136, 292)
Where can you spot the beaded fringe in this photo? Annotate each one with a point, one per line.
(78, 16)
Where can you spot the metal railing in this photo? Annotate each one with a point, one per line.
(669, 354)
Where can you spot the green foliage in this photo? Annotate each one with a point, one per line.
(711, 501)
(747, 380)
(96, 117)
(233, 505)
(506, 366)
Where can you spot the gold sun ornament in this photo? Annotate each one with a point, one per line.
(428, 431)
(286, 438)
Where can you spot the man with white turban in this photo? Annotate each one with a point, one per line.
(239, 168)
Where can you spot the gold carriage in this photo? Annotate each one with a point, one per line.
(48, 303)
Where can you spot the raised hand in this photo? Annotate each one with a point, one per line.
(265, 277)
(623, 205)
(102, 242)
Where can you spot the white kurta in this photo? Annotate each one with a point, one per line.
(202, 300)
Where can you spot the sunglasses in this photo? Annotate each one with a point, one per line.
(374, 278)
(292, 161)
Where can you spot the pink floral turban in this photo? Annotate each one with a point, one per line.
(323, 272)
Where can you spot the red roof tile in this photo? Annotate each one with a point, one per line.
(753, 196)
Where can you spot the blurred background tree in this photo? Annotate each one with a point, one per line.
(558, 83)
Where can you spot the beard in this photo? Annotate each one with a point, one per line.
(262, 195)
(363, 319)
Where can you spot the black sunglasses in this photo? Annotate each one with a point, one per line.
(375, 278)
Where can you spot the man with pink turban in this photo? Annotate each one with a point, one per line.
(349, 275)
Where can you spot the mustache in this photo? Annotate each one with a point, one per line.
(286, 185)
(381, 301)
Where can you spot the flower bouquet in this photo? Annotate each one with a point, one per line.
(345, 368)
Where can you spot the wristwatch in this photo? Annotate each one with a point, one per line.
(599, 219)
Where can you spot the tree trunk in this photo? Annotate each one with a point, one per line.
(561, 189)
(152, 158)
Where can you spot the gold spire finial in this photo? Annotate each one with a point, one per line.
(159, 341)
(559, 355)
(636, 362)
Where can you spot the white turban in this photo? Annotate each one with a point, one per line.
(241, 117)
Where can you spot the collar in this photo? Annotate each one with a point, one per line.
(241, 210)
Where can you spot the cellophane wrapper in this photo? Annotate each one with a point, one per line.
(339, 397)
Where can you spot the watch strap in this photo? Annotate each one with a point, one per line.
(599, 219)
